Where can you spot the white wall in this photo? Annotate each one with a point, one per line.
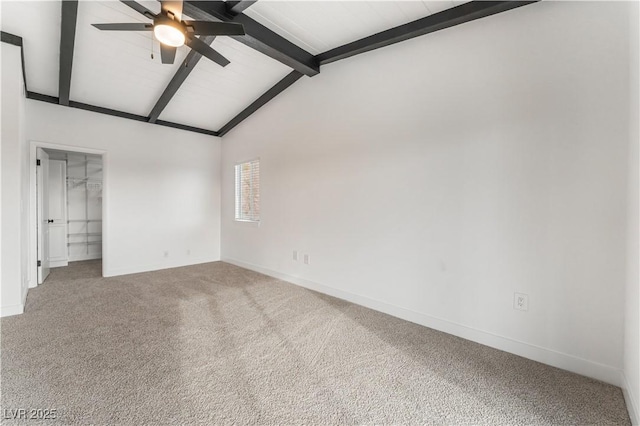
(434, 178)
(161, 186)
(13, 283)
(632, 295)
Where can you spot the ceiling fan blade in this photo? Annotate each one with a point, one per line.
(167, 53)
(139, 8)
(138, 26)
(205, 50)
(215, 28)
(175, 7)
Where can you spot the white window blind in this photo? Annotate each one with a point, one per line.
(248, 191)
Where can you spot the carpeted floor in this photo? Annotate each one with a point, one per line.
(217, 344)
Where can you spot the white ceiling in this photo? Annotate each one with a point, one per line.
(114, 69)
(38, 23)
(219, 94)
(318, 26)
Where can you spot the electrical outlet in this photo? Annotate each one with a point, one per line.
(166, 253)
(307, 259)
(520, 302)
(295, 255)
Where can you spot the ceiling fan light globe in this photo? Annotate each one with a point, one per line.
(169, 35)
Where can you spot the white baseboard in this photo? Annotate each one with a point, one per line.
(630, 400)
(59, 264)
(547, 356)
(6, 311)
(136, 269)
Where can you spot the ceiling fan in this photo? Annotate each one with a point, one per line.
(172, 32)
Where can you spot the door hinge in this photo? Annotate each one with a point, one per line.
(37, 162)
(39, 263)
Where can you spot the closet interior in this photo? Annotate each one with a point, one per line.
(75, 205)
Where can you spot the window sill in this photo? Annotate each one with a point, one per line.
(249, 223)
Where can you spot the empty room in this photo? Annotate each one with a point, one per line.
(319, 212)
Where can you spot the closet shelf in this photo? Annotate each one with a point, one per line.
(87, 232)
(84, 179)
(82, 163)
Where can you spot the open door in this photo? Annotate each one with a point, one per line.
(57, 186)
(42, 179)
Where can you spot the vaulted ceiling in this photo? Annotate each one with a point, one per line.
(115, 72)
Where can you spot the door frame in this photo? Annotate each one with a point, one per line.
(33, 232)
(42, 204)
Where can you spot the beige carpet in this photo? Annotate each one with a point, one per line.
(217, 344)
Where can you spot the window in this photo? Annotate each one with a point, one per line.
(248, 191)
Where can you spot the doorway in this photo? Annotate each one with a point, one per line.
(68, 211)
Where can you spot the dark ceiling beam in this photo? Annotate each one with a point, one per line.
(11, 39)
(257, 36)
(116, 113)
(67, 41)
(179, 77)
(16, 41)
(280, 86)
(238, 6)
(438, 21)
(187, 128)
